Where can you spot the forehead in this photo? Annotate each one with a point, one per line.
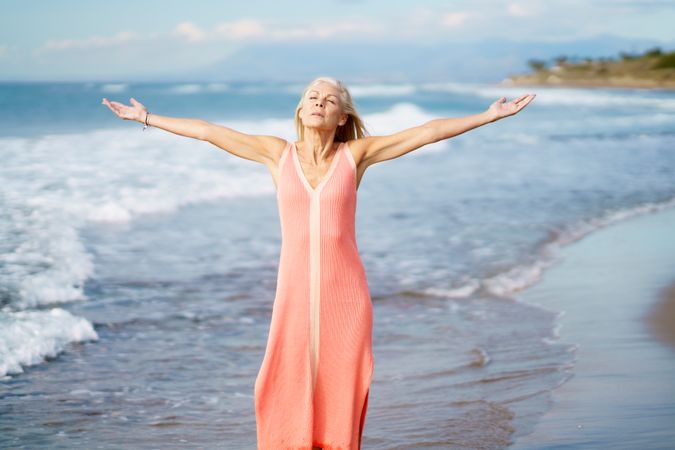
(324, 88)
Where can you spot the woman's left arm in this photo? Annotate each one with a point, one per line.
(382, 148)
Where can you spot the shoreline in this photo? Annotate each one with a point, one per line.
(661, 317)
(611, 286)
(524, 81)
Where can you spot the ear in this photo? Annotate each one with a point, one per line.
(343, 119)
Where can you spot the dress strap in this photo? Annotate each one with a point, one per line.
(284, 155)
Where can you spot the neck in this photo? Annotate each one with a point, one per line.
(317, 143)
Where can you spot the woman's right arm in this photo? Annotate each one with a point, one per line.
(263, 149)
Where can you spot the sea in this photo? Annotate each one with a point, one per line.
(138, 267)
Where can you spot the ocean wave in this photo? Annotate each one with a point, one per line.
(197, 88)
(44, 259)
(100, 177)
(382, 90)
(114, 88)
(186, 89)
(29, 337)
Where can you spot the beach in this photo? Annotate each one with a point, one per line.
(615, 288)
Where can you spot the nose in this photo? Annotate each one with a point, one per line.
(318, 102)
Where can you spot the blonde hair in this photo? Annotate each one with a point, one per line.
(352, 129)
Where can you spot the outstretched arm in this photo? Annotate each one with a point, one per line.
(255, 148)
(192, 128)
(382, 148)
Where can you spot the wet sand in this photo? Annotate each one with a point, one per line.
(611, 287)
(661, 317)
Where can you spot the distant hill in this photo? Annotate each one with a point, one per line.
(652, 69)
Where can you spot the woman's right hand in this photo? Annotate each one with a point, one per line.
(135, 112)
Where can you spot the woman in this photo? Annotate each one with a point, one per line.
(312, 388)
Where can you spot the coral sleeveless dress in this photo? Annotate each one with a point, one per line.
(313, 384)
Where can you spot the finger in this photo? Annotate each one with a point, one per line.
(107, 103)
(520, 99)
(525, 103)
(119, 105)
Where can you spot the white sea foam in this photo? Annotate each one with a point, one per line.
(47, 262)
(186, 89)
(520, 277)
(465, 290)
(197, 88)
(56, 184)
(382, 90)
(28, 337)
(114, 88)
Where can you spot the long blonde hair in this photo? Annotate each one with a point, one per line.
(352, 129)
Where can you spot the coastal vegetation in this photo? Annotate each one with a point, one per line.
(653, 68)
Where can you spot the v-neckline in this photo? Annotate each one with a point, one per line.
(301, 173)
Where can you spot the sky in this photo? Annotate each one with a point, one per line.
(78, 39)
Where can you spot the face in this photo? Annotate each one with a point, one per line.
(321, 107)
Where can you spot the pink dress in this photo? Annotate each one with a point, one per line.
(313, 384)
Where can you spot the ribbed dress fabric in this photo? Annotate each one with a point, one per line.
(313, 384)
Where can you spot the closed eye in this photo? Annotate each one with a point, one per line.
(314, 97)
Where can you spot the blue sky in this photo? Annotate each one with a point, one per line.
(92, 39)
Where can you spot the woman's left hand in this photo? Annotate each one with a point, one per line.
(501, 108)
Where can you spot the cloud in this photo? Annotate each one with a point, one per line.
(121, 38)
(518, 10)
(454, 19)
(190, 32)
(241, 29)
